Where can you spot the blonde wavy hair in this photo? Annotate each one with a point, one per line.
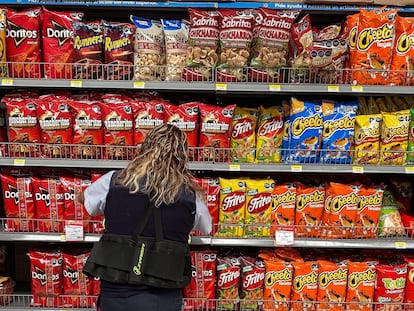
(160, 168)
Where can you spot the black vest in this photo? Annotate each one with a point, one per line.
(166, 263)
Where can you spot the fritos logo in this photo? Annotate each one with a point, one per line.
(227, 278)
(259, 203)
(233, 201)
(272, 126)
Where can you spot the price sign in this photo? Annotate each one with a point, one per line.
(358, 169)
(139, 85)
(234, 167)
(284, 236)
(357, 88)
(333, 88)
(7, 82)
(296, 168)
(74, 231)
(19, 162)
(274, 87)
(400, 245)
(76, 83)
(221, 87)
(409, 169)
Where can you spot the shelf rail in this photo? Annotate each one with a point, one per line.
(224, 74)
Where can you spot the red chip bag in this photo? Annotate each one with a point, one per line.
(23, 126)
(46, 272)
(185, 117)
(49, 203)
(55, 122)
(252, 282)
(228, 281)
(409, 286)
(23, 43)
(18, 202)
(87, 122)
(147, 115)
(74, 281)
(390, 286)
(57, 43)
(118, 125)
(211, 187)
(215, 130)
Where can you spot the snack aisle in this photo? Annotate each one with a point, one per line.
(303, 148)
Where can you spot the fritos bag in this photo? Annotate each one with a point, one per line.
(228, 281)
(252, 280)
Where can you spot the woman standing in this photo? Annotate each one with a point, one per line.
(158, 178)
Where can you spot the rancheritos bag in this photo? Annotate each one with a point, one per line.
(141, 260)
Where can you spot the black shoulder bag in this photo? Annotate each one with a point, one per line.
(139, 260)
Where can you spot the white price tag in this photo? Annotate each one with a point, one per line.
(284, 236)
(74, 231)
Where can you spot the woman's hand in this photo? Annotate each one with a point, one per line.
(80, 196)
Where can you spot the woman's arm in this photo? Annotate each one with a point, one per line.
(94, 197)
(202, 221)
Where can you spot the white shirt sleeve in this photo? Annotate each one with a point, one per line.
(202, 221)
(95, 194)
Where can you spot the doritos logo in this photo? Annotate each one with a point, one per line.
(19, 34)
(12, 193)
(43, 195)
(59, 32)
(71, 274)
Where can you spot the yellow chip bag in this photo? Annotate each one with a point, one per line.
(269, 135)
(367, 138)
(243, 135)
(232, 207)
(394, 137)
(258, 207)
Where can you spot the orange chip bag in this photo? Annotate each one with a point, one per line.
(232, 207)
(332, 283)
(402, 64)
(243, 134)
(361, 285)
(309, 208)
(375, 39)
(289, 254)
(277, 286)
(3, 59)
(258, 207)
(368, 213)
(305, 286)
(269, 134)
(342, 210)
(283, 207)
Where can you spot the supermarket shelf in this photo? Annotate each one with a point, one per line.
(206, 86)
(19, 302)
(217, 167)
(184, 4)
(386, 243)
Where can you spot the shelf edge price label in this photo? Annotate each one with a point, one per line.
(275, 87)
(76, 83)
(357, 169)
(400, 245)
(221, 87)
(234, 167)
(409, 169)
(284, 236)
(357, 88)
(333, 88)
(296, 168)
(19, 162)
(74, 231)
(7, 82)
(139, 85)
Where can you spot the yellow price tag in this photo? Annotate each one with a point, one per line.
(357, 88)
(296, 168)
(358, 169)
(139, 85)
(274, 87)
(76, 83)
(221, 87)
(19, 162)
(400, 245)
(333, 88)
(63, 237)
(234, 167)
(7, 82)
(409, 169)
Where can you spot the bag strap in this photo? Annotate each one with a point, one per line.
(157, 222)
